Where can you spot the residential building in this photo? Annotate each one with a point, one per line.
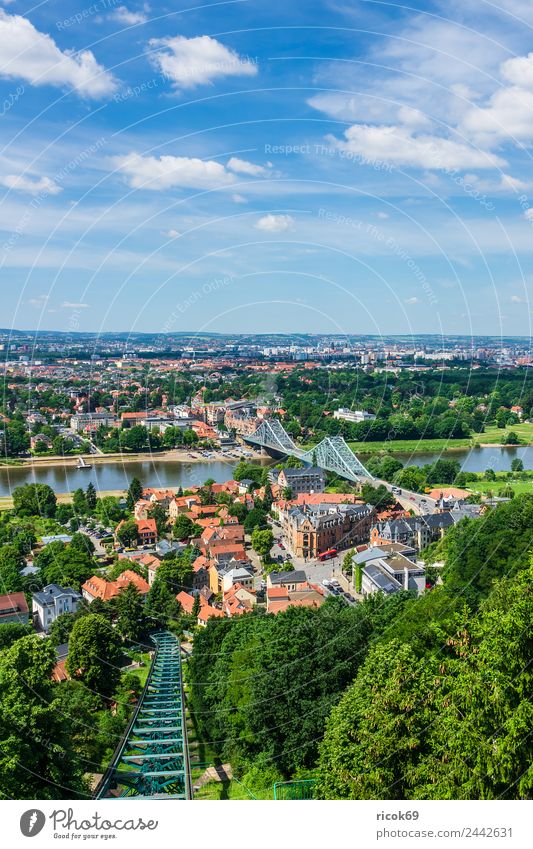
(304, 594)
(98, 587)
(14, 608)
(386, 570)
(287, 580)
(308, 479)
(238, 575)
(51, 602)
(355, 416)
(312, 529)
(146, 531)
(415, 531)
(238, 600)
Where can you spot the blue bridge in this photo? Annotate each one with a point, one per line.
(332, 454)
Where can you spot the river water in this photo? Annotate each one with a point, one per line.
(172, 474)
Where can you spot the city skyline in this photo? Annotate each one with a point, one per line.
(249, 167)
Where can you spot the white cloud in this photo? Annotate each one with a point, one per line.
(125, 16)
(528, 214)
(413, 300)
(166, 172)
(31, 55)
(399, 145)
(382, 215)
(189, 62)
(238, 199)
(172, 234)
(69, 305)
(39, 301)
(508, 115)
(516, 299)
(32, 187)
(274, 223)
(241, 166)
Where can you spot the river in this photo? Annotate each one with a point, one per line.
(172, 474)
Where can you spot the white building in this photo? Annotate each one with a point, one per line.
(51, 602)
(353, 415)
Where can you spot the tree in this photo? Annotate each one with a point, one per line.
(135, 491)
(11, 563)
(517, 465)
(511, 438)
(490, 475)
(16, 439)
(82, 542)
(161, 604)
(262, 542)
(79, 502)
(12, 631)
(347, 563)
(196, 607)
(36, 757)
(127, 533)
(34, 499)
(176, 572)
(185, 528)
(158, 513)
(61, 627)
(377, 733)
(109, 510)
(130, 609)
(64, 565)
(256, 518)
(94, 654)
(90, 497)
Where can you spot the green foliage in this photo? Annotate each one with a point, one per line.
(185, 528)
(64, 565)
(456, 726)
(94, 654)
(12, 631)
(377, 734)
(265, 684)
(61, 628)
(131, 622)
(34, 499)
(479, 551)
(255, 518)
(262, 541)
(135, 491)
(11, 562)
(127, 533)
(161, 604)
(36, 756)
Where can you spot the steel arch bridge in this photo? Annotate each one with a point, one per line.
(152, 761)
(332, 454)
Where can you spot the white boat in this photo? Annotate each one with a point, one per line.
(82, 464)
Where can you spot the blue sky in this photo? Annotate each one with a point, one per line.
(264, 166)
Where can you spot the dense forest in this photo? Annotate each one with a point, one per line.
(411, 405)
(397, 697)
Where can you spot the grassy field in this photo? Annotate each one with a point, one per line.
(518, 486)
(220, 790)
(497, 435)
(410, 446)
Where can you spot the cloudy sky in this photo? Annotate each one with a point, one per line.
(258, 165)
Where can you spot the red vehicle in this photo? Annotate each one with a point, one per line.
(327, 555)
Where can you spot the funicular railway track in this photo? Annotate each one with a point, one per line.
(152, 760)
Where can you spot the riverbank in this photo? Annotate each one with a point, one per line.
(173, 456)
(6, 501)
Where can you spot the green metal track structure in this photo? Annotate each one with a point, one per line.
(152, 759)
